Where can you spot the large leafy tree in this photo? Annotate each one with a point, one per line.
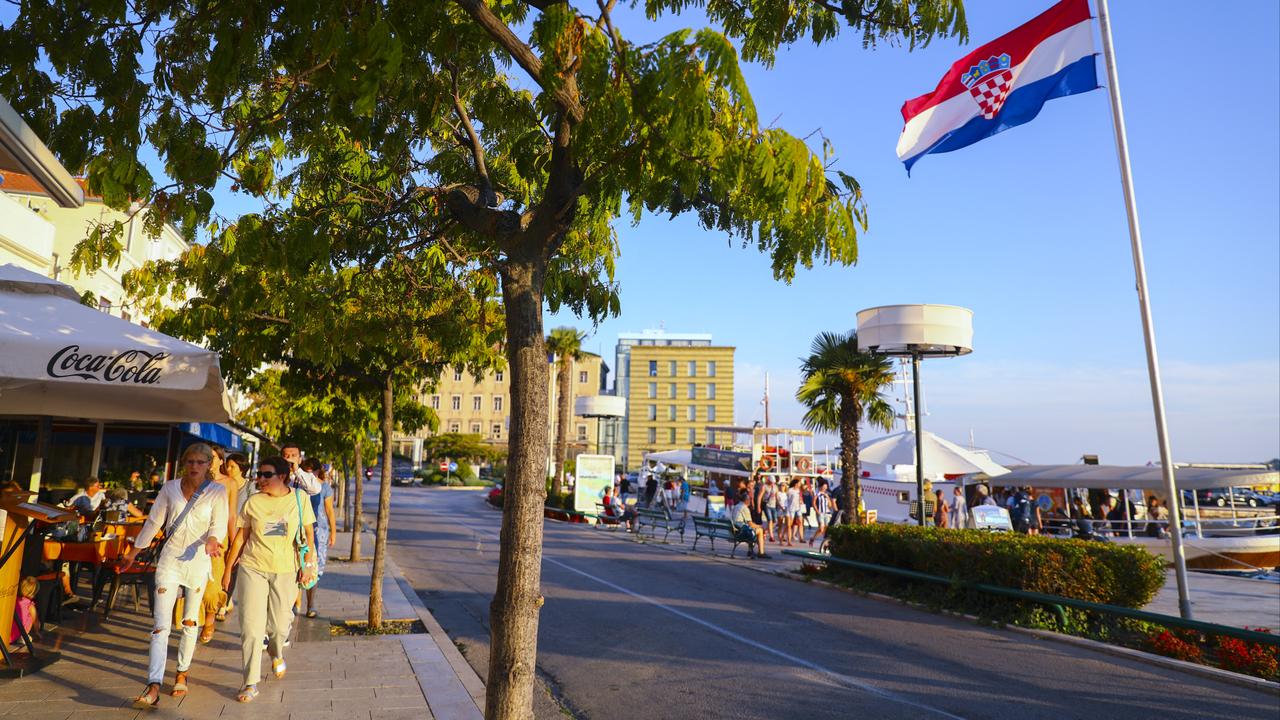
(840, 388)
(505, 137)
(565, 343)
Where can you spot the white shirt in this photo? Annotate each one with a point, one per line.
(183, 560)
(309, 483)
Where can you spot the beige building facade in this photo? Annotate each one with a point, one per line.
(482, 406)
(673, 392)
(38, 235)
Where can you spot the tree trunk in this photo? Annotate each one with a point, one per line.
(513, 614)
(562, 425)
(384, 507)
(851, 488)
(340, 499)
(356, 500)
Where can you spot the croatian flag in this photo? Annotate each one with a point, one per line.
(1003, 84)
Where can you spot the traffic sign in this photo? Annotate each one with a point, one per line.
(444, 466)
(453, 467)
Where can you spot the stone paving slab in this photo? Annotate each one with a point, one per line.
(387, 677)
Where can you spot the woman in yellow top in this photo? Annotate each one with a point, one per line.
(267, 583)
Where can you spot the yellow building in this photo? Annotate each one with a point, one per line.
(482, 406)
(673, 391)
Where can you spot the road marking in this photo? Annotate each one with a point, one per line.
(840, 679)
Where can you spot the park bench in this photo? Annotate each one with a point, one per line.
(723, 529)
(658, 518)
(612, 522)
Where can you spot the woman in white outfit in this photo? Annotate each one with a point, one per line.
(184, 566)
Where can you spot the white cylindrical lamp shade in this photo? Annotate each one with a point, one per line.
(927, 330)
(601, 406)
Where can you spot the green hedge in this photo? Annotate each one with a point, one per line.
(1113, 574)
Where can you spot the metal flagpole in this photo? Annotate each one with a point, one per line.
(1148, 327)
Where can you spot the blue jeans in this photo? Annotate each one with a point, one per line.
(162, 614)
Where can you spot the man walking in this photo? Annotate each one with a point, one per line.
(299, 478)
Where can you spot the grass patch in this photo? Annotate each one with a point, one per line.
(389, 627)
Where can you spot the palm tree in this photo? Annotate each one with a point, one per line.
(840, 386)
(565, 343)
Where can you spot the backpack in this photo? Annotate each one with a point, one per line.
(1022, 509)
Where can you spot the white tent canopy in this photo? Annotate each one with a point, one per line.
(685, 458)
(941, 457)
(61, 358)
(1105, 477)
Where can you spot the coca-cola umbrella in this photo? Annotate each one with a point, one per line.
(61, 358)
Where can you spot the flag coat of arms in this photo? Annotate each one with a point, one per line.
(1004, 83)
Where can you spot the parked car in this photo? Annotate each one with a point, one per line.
(1222, 497)
(494, 496)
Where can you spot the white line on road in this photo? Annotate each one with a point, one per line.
(843, 680)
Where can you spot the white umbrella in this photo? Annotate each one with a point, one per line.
(941, 457)
(61, 358)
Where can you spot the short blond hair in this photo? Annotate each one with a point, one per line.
(198, 449)
(28, 587)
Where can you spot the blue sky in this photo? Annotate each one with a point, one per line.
(1027, 229)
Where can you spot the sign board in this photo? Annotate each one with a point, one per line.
(872, 516)
(991, 517)
(717, 458)
(453, 466)
(595, 473)
(444, 466)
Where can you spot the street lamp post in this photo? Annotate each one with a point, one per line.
(917, 332)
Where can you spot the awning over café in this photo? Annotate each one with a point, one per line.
(61, 358)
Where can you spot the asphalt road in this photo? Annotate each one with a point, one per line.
(636, 631)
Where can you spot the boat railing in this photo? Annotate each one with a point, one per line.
(1210, 527)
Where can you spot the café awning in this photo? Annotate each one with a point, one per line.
(61, 358)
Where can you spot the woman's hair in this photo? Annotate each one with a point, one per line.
(84, 482)
(312, 466)
(239, 459)
(278, 464)
(118, 494)
(28, 587)
(198, 449)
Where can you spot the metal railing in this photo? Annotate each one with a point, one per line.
(1055, 602)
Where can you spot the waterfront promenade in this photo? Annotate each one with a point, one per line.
(391, 677)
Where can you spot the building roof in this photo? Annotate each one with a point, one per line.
(16, 182)
(22, 150)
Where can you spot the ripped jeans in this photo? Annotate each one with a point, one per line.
(162, 615)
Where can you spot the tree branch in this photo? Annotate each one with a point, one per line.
(522, 54)
(477, 150)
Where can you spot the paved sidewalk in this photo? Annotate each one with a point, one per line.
(103, 665)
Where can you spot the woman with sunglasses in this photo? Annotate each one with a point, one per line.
(194, 537)
(268, 574)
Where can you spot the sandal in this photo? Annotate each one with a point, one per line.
(278, 668)
(206, 634)
(146, 699)
(312, 613)
(221, 615)
(247, 693)
(180, 684)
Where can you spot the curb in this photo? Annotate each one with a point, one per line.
(1205, 671)
(470, 679)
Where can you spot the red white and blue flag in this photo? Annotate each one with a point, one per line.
(1004, 83)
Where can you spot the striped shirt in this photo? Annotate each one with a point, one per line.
(823, 503)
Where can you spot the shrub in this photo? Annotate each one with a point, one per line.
(1128, 576)
(1180, 645)
(1249, 657)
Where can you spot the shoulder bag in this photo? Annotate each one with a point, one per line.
(300, 544)
(151, 555)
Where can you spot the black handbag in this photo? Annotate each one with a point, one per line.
(151, 554)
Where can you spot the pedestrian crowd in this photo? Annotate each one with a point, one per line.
(221, 537)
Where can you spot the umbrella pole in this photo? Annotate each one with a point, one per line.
(915, 383)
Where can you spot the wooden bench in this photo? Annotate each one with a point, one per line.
(613, 522)
(723, 529)
(658, 518)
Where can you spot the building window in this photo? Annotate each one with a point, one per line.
(653, 390)
(454, 427)
(711, 391)
(671, 367)
(672, 435)
(497, 431)
(653, 368)
(497, 403)
(671, 412)
(693, 368)
(671, 390)
(104, 305)
(693, 391)
(692, 413)
(582, 376)
(711, 413)
(456, 403)
(693, 436)
(653, 435)
(582, 433)
(435, 402)
(477, 402)
(457, 376)
(711, 368)
(653, 412)
(475, 428)
(497, 375)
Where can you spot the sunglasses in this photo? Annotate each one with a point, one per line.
(268, 474)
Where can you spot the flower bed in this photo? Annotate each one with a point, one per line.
(1111, 574)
